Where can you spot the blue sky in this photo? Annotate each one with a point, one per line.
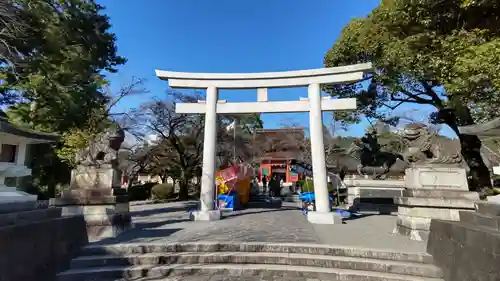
(230, 36)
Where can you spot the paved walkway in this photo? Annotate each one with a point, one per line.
(170, 223)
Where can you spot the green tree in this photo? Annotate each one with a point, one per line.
(439, 53)
(177, 150)
(53, 58)
(53, 76)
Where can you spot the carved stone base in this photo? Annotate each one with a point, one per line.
(432, 193)
(105, 211)
(84, 177)
(365, 195)
(436, 177)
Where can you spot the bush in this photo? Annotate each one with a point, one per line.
(308, 186)
(140, 192)
(162, 191)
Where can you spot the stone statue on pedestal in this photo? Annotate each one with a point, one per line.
(436, 184)
(97, 165)
(368, 152)
(95, 189)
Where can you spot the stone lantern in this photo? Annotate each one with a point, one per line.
(14, 143)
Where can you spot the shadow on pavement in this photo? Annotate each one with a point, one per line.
(154, 224)
(138, 235)
(255, 211)
(354, 217)
(184, 207)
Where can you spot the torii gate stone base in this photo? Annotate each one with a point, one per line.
(314, 104)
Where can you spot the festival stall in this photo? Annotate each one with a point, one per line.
(233, 186)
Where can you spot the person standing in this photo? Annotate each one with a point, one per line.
(275, 186)
(272, 184)
(264, 184)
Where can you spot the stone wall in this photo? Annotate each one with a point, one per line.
(469, 249)
(37, 244)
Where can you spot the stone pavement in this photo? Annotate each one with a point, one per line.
(169, 222)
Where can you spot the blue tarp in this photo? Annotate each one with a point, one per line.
(229, 201)
(344, 213)
(308, 197)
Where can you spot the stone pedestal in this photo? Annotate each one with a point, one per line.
(95, 177)
(208, 215)
(367, 195)
(432, 192)
(96, 195)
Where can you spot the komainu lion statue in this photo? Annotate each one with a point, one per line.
(425, 147)
(103, 151)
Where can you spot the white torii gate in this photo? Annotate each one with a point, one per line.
(314, 104)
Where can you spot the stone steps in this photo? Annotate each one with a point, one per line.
(249, 259)
(236, 270)
(384, 266)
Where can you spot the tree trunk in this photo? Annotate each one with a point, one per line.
(479, 174)
(183, 186)
(198, 184)
(130, 181)
(164, 178)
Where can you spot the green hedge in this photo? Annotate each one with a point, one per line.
(162, 191)
(308, 186)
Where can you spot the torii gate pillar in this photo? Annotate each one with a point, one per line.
(314, 104)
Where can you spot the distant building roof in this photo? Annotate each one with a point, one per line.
(488, 133)
(280, 155)
(9, 128)
(487, 129)
(279, 144)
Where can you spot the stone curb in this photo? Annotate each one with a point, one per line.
(244, 270)
(441, 193)
(435, 202)
(492, 222)
(487, 208)
(29, 216)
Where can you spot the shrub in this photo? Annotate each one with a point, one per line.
(140, 192)
(162, 191)
(308, 186)
(44, 192)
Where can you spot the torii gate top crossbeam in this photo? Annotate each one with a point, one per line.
(296, 78)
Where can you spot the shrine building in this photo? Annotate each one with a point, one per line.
(277, 149)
